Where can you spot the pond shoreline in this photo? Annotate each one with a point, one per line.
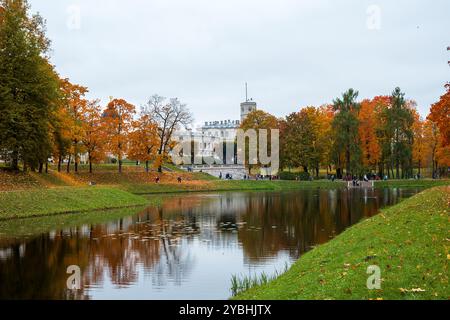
(72, 200)
(406, 241)
(208, 236)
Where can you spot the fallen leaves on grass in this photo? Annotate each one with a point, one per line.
(414, 290)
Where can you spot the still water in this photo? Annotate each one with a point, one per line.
(188, 248)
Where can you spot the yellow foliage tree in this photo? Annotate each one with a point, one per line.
(143, 141)
(117, 120)
(93, 132)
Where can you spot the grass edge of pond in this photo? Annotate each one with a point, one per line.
(407, 241)
(65, 200)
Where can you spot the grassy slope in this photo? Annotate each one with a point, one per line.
(39, 225)
(409, 242)
(38, 202)
(411, 183)
(222, 185)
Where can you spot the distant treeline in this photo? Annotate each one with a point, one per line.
(44, 116)
(384, 136)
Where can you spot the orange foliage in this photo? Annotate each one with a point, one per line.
(368, 118)
(94, 134)
(440, 114)
(117, 120)
(143, 140)
(74, 103)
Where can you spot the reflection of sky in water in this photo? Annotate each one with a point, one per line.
(194, 275)
(187, 249)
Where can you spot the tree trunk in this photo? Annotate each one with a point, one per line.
(15, 161)
(146, 166)
(339, 173)
(90, 163)
(59, 163)
(347, 159)
(46, 167)
(119, 157)
(68, 164)
(76, 158)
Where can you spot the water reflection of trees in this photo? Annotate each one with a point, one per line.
(298, 221)
(159, 241)
(36, 268)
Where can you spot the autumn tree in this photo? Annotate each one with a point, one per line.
(94, 136)
(28, 86)
(345, 128)
(432, 135)
(419, 149)
(258, 120)
(440, 115)
(169, 116)
(117, 120)
(325, 134)
(290, 130)
(74, 103)
(439, 118)
(61, 140)
(300, 139)
(144, 140)
(306, 138)
(370, 147)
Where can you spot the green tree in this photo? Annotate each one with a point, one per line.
(28, 86)
(345, 127)
(398, 135)
(306, 139)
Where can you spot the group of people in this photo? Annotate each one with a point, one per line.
(257, 177)
(158, 180)
(228, 176)
(365, 178)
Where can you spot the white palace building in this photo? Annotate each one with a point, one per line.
(213, 133)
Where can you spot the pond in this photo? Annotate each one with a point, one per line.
(188, 248)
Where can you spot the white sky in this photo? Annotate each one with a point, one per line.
(292, 53)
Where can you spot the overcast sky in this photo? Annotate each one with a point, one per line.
(292, 53)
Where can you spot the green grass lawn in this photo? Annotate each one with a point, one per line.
(39, 202)
(409, 242)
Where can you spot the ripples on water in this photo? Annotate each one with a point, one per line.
(187, 249)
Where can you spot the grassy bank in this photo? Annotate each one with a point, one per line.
(428, 183)
(236, 185)
(233, 185)
(39, 225)
(409, 242)
(134, 180)
(41, 202)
